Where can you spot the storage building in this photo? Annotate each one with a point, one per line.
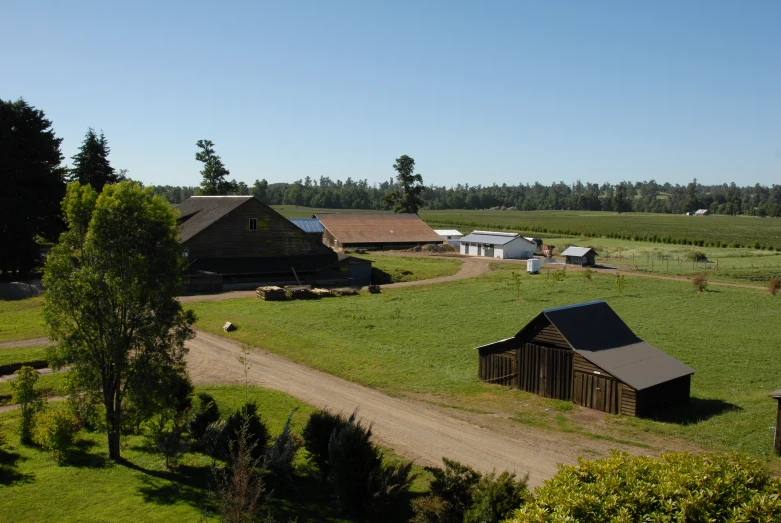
(311, 226)
(580, 256)
(497, 245)
(586, 354)
(450, 236)
(375, 231)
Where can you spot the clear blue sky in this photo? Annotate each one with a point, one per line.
(477, 92)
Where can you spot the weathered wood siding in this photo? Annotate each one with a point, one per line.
(498, 368)
(598, 392)
(663, 395)
(548, 336)
(777, 442)
(545, 371)
(231, 237)
(628, 400)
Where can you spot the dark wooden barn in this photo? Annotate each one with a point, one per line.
(586, 354)
(238, 242)
(777, 441)
(580, 256)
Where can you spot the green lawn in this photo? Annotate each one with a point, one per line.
(88, 487)
(21, 319)
(22, 355)
(54, 384)
(422, 339)
(389, 268)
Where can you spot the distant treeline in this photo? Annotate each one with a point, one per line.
(757, 200)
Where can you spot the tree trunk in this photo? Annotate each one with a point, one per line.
(113, 423)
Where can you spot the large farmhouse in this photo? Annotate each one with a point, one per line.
(375, 231)
(236, 242)
(497, 245)
(584, 353)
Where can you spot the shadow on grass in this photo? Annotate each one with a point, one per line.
(693, 411)
(186, 484)
(9, 472)
(81, 457)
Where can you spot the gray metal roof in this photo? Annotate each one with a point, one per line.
(312, 225)
(493, 238)
(598, 334)
(577, 251)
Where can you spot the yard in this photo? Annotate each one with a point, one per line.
(419, 341)
(390, 268)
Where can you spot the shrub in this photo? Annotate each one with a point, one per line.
(257, 432)
(451, 494)
(390, 482)
(620, 283)
(352, 462)
(165, 432)
(317, 433)
(588, 274)
(28, 398)
(676, 487)
(55, 431)
(88, 411)
(773, 286)
(280, 456)
(204, 412)
(212, 440)
(700, 282)
(495, 497)
(696, 256)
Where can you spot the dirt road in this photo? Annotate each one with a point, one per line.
(416, 430)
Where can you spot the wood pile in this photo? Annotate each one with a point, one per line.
(345, 292)
(301, 293)
(323, 293)
(271, 293)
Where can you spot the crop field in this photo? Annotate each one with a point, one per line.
(421, 340)
(735, 231)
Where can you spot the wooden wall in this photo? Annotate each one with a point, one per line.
(663, 395)
(545, 371)
(628, 400)
(498, 368)
(230, 236)
(777, 442)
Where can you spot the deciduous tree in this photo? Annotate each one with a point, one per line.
(110, 305)
(33, 185)
(408, 197)
(214, 171)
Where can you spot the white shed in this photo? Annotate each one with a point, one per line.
(497, 245)
(450, 236)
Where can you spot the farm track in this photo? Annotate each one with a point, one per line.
(416, 430)
(30, 342)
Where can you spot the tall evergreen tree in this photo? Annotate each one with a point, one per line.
(33, 186)
(408, 197)
(214, 171)
(91, 165)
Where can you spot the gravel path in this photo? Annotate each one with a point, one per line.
(31, 342)
(416, 430)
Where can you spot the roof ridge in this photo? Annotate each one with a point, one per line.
(564, 307)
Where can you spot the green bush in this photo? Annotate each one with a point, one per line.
(165, 432)
(676, 487)
(55, 431)
(204, 412)
(450, 494)
(317, 433)
(280, 456)
(28, 399)
(495, 497)
(257, 432)
(352, 463)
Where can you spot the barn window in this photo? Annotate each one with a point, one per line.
(253, 224)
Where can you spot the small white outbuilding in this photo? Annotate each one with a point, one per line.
(451, 236)
(497, 245)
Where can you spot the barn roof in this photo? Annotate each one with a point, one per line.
(597, 333)
(492, 238)
(776, 394)
(577, 251)
(197, 213)
(350, 228)
(448, 232)
(312, 225)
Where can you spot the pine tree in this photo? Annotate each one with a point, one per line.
(91, 165)
(408, 198)
(214, 171)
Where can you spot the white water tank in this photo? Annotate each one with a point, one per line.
(533, 265)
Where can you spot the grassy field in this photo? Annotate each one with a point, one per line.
(390, 269)
(720, 264)
(21, 319)
(422, 339)
(88, 487)
(744, 231)
(22, 355)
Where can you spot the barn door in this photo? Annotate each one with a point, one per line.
(545, 371)
(597, 392)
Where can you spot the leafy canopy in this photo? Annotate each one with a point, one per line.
(110, 305)
(214, 171)
(408, 198)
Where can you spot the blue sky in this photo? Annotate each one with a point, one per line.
(476, 92)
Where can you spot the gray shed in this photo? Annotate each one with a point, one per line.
(580, 256)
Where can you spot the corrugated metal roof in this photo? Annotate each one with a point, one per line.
(447, 232)
(598, 334)
(493, 238)
(199, 212)
(577, 251)
(312, 225)
(350, 228)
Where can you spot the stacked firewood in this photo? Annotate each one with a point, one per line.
(271, 293)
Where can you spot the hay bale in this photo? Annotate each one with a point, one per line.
(301, 294)
(271, 293)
